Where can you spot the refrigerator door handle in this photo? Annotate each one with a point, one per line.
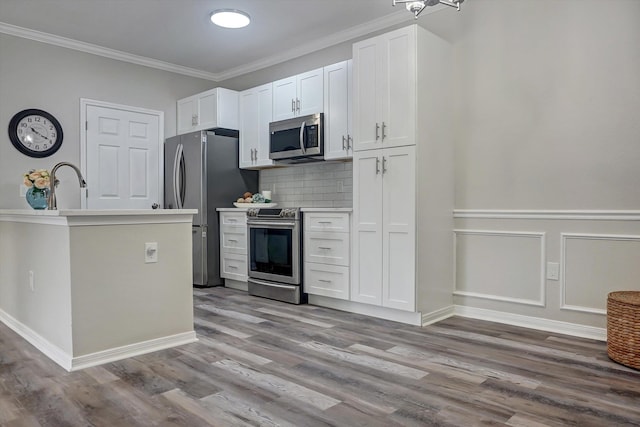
(183, 177)
(178, 177)
(174, 178)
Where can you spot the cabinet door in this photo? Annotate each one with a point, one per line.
(399, 88)
(208, 110)
(187, 115)
(265, 116)
(399, 228)
(284, 98)
(310, 91)
(367, 228)
(366, 99)
(249, 127)
(336, 111)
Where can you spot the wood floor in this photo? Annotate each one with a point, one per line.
(260, 362)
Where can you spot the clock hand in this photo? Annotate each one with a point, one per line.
(39, 134)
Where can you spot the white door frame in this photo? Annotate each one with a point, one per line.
(84, 103)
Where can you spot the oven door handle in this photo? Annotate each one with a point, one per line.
(271, 224)
(302, 147)
(273, 285)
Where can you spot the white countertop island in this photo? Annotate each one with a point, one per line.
(79, 286)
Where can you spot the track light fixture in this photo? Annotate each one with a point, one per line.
(417, 6)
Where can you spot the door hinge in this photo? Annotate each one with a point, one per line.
(86, 125)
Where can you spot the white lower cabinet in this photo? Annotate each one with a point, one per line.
(384, 227)
(327, 254)
(233, 245)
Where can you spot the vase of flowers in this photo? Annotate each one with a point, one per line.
(38, 182)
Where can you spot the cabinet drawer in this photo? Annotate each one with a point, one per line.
(233, 240)
(238, 219)
(326, 280)
(233, 266)
(326, 248)
(326, 221)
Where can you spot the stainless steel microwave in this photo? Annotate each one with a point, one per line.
(297, 139)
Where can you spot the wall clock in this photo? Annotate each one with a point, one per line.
(35, 133)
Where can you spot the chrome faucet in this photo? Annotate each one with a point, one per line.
(51, 200)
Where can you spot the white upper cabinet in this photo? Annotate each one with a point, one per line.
(215, 108)
(337, 111)
(255, 115)
(299, 95)
(384, 81)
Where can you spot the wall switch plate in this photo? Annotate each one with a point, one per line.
(553, 271)
(151, 252)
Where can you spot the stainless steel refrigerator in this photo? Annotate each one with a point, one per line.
(201, 172)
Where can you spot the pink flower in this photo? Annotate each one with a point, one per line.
(27, 181)
(41, 183)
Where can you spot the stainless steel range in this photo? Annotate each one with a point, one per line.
(275, 254)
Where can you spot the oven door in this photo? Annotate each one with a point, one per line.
(274, 250)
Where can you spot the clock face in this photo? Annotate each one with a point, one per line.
(35, 133)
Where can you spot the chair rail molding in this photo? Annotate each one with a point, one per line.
(602, 215)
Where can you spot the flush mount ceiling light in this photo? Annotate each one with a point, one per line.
(417, 6)
(230, 18)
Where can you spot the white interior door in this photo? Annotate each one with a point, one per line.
(122, 148)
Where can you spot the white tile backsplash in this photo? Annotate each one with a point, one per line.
(324, 185)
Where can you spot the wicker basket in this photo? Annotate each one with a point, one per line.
(623, 328)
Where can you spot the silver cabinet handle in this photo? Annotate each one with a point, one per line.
(324, 222)
(377, 165)
(344, 142)
(324, 247)
(298, 105)
(293, 105)
(233, 266)
(233, 240)
(349, 142)
(384, 133)
(302, 147)
(377, 131)
(384, 164)
(232, 220)
(324, 280)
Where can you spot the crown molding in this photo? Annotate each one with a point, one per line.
(93, 49)
(322, 43)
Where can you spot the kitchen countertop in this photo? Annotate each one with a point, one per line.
(326, 209)
(96, 212)
(231, 209)
(70, 217)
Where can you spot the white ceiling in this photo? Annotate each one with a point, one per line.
(177, 34)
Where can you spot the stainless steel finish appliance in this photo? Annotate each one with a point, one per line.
(275, 254)
(297, 140)
(201, 172)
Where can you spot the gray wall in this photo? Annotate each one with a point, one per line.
(51, 78)
(548, 105)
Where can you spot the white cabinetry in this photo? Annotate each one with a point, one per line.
(255, 115)
(403, 175)
(299, 95)
(327, 254)
(337, 111)
(217, 107)
(384, 227)
(384, 88)
(233, 245)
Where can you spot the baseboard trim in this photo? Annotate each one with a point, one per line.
(408, 317)
(49, 349)
(548, 325)
(132, 350)
(438, 315)
(236, 284)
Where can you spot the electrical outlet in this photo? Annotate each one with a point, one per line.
(151, 252)
(32, 284)
(553, 271)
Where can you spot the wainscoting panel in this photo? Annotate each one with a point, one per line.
(500, 265)
(596, 264)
